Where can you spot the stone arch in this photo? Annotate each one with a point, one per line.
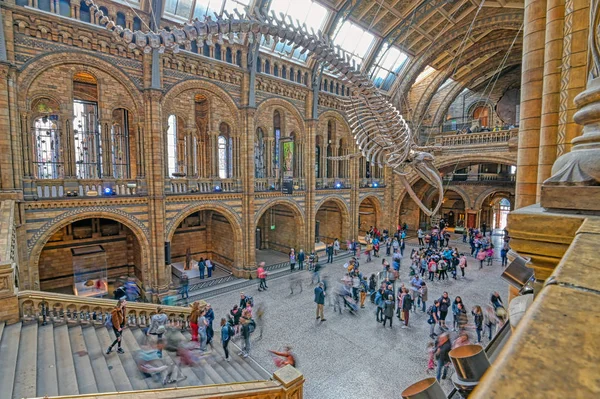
(230, 214)
(338, 199)
(341, 124)
(344, 211)
(510, 191)
(376, 201)
(280, 201)
(37, 65)
(36, 244)
(465, 197)
(201, 85)
(279, 102)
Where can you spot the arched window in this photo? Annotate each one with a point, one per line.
(194, 46)
(292, 74)
(482, 113)
(325, 85)
(86, 129)
(267, 67)
(277, 136)
(137, 24)
(206, 50)
(337, 88)
(217, 51)
(299, 77)
(306, 81)
(283, 72)
(228, 55)
(46, 144)
(276, 70)
(172, 146)
(238, 58)
(103, 9)
(331, 87)
(318, 157)
(258, 65)
(259, 154)
(120, 143)
(84, 10)
(121, 19)
(224, 151)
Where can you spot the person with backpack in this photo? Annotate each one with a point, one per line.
(320, 301)
(388, 310)
(158, 326)
(227, 333)
(116, 320)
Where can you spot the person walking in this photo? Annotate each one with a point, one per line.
(158, 326)
(478, 320)
(336, 246)
(443, 349)
(364, 287)
(388, 310)
(301, 257)
(202, 324)
(117, 320)
(434, 317)
(444, 306)
(292, 256)
(185, 286)
(504, 254)
(483, 228)
(407, 304)
(194, 320)
(320, 301)
(455, 312)
(423, 296)
(462, 263)
(245, 322)
(262, 276)
(227, 333)
(201, 267)
(210, 317)
(380, 303)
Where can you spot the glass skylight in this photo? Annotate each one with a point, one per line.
(190, 9)
(389, 63)
(355, 40)
(307, 12)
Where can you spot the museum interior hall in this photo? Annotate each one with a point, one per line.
(434, 164)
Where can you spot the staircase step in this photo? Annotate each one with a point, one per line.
(130, 345)
(102, 374)
(169, 358)
(9, 347)
(81, 359)
(47, 378)
(244, 363)
(65, 367)
(207, 365)
(123, 369)
(25, 378)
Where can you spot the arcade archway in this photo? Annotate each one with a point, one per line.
(87, 257)
(368, 215)
(280, 228)
(331, 222)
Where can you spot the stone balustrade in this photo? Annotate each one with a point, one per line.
(272, 184)
(62, 188)
(470, 139)
(186, 186)
(71, 309)
(329, 183)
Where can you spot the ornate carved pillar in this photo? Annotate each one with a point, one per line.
(246, 160)
(335, 164)
(532, 74)
(213, 140)
(575, 181)
(310, 183)
(26, 143)
(192, 156)
(551, 90)
(105, 136)
(269, 156)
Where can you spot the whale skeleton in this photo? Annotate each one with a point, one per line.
(381, 134)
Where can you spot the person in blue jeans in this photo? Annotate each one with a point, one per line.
(443, 349)
(201, 266)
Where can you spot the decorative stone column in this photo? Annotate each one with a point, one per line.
(213, 140)
(575, 181)
(310, 182)
(551, 89)
(532, 74)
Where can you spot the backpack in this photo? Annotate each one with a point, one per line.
(230, 330)
(251, 326)
(430, 311)
(108, 322)
(250, 300)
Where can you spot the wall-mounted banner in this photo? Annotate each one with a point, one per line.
(287, 165)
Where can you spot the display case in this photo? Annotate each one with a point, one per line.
(89, 271)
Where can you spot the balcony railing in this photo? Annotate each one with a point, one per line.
(190, 186)
(61, 188)
(479, 178)
(331, 183)
(272, 184)
(370, 182)
(71, 309)
(454, 140)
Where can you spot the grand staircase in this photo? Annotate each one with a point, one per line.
(58, 348)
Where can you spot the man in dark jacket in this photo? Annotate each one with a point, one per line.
(320, 301)
(301, 258)
(210, 317)
(443, 349)
(329, 251)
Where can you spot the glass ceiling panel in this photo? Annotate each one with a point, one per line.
(355, 40)
(389, 63)
(307, 12)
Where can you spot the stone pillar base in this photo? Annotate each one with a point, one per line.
(9, 310)
(571, 197)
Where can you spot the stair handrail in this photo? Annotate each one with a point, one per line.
(55, 307)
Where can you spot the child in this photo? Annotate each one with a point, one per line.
(431, 353)
(490, 255)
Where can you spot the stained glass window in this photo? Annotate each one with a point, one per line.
(120, 143)
(88, 143)
(46, 146)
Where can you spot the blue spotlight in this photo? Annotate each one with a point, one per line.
(218, 188)
(108, 191)
(375, 184)
(338, 185)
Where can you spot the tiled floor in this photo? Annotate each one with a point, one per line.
(354, 356)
